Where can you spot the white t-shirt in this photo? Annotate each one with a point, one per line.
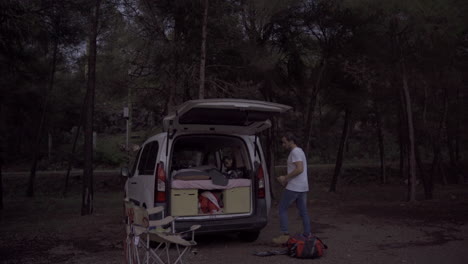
(300, 182)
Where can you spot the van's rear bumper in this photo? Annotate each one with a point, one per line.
(256, 221)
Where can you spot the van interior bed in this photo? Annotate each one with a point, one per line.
(208, 184)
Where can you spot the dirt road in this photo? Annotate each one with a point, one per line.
(360, 224)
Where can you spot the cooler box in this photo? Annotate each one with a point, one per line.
(237, 200)
(184, 202)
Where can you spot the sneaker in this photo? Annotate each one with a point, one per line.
(281, 239)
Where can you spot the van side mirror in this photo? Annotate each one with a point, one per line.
(124, 172)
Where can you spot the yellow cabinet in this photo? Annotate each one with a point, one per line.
(237, 200)
(184, 202)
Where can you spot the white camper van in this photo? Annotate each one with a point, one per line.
(208, 167)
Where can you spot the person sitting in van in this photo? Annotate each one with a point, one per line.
(229, 168)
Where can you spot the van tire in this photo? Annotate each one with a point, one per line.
(249, 236)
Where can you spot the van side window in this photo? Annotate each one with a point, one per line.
(148, 158)
(135, 162)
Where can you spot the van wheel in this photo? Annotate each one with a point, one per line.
(249, 236)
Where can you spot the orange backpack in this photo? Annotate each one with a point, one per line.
(305, 247)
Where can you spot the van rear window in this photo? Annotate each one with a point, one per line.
(223, 153)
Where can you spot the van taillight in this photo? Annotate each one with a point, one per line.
(260, 183)
(160, 184)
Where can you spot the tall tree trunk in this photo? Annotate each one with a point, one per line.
(457, 141)
(380, 136)
(1, 182)
(37, 145)
(437, 145)
(437, 141)
(436, 160)
(451, 148)
(88, 182)
(339, 156)
(311, 106)
(172, 100)
(201, 92)
(3, 148)
(71, 159)
(129, 120)
(75, 141)
(411, 141)
(403, 139)
(49, 147)
(427, 179)
(452, 132)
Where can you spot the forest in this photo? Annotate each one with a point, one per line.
(380, 82)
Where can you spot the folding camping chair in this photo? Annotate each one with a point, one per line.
(137, 224)
(141, 230)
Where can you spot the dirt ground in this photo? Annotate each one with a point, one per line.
(365, 223)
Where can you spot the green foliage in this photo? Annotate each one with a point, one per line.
(319, 56)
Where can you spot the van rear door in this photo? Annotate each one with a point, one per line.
(235, 116)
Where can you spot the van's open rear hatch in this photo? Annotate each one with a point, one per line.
(236, 116)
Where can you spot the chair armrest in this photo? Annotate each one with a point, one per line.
(155, 210)
(164, 221)
(194, 227)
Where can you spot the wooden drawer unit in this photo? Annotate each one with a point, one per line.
(184, 202)
(237, 200)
